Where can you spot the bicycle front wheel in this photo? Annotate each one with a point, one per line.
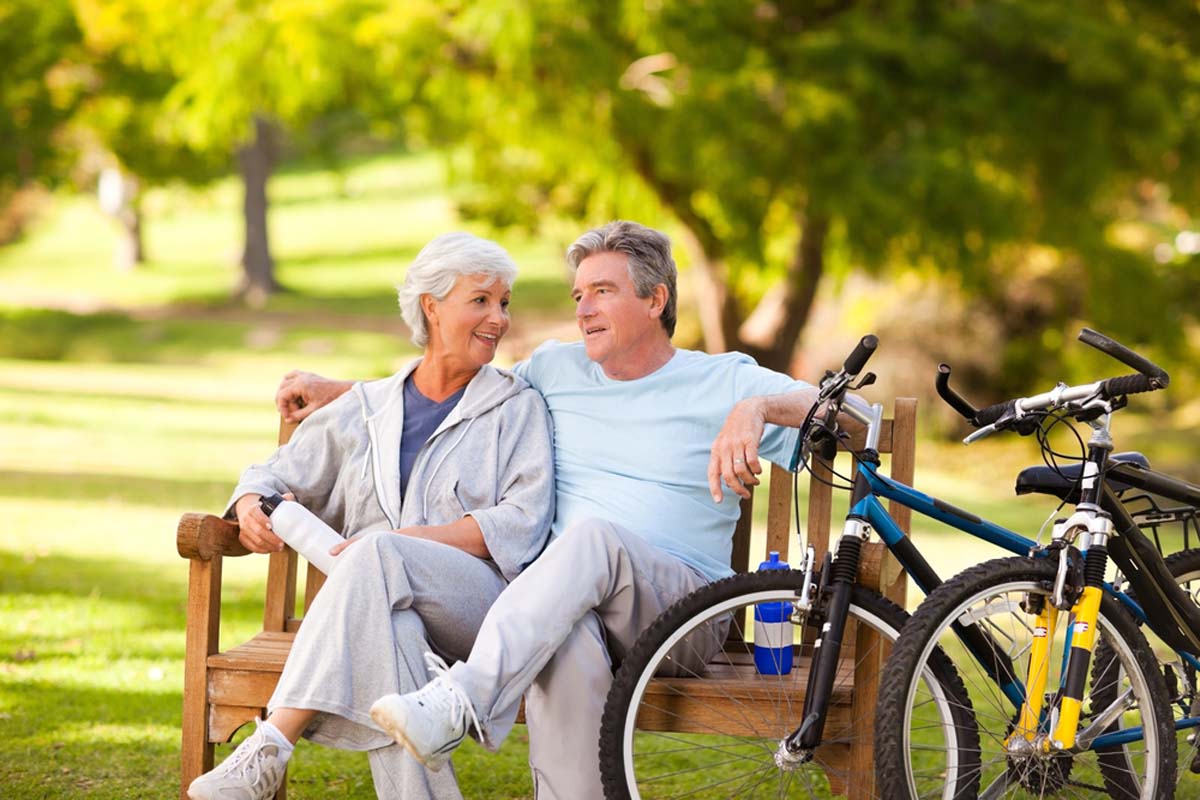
(1124, 702)
(710, 725)
(1180, 678)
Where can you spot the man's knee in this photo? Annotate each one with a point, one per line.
(592, 536)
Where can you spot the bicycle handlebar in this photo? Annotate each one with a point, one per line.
(1159, 379)
(953, 398)
(862, 352)
(1149, 377)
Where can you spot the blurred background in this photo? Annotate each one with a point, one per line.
(197, 196)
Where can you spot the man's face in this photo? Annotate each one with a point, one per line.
(619, 328)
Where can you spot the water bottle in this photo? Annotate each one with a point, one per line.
(303, 531)
(773, 630)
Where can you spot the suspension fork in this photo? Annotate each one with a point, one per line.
(827, 647)
(1086, 610)
(1090, 527)
(1045, 622)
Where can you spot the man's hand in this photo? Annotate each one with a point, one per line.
(301, 393)
(734, 459)
(255, 526)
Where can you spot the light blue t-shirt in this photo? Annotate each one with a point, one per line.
(636, 452)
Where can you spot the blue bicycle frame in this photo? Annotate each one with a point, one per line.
(870, 509)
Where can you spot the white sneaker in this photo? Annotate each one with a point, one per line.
(253, 771)
(430, 722)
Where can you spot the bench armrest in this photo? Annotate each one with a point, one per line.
(202, 536)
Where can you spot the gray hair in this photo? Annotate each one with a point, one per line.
(439, 265)
(647, 252)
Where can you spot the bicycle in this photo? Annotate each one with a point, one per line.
(783, 751)
(1098, 715)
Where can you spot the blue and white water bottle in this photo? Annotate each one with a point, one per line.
(773, 630)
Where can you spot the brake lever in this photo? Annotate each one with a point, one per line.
(985, 431)
(867, 380)
(833, 384)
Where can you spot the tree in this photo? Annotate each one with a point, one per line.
(792, 140)
(40, 86)
(241, 74)
(124, 121)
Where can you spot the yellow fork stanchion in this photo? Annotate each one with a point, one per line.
(1083, 640)
(1038, 673)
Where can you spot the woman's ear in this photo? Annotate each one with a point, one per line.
(429, 309)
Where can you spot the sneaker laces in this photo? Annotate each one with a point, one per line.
(460, 705)
(242, 759)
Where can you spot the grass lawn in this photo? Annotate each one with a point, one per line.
(126, 400)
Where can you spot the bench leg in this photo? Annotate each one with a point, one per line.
(204, 620)
(196, 755)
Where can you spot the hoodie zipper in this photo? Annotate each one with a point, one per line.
(377, 471)
(449, 450)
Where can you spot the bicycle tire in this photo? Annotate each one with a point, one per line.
(632, 762)
(1184, 566)
(990, 595)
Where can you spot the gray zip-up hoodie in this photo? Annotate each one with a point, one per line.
(490, 458)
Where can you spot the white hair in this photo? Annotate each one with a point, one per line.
(439, 265)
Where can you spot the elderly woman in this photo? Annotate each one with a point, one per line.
(443, 475)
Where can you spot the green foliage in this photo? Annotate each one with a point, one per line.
(40, 85)
(230, 62)
(931, 135)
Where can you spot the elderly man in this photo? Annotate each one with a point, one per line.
(644, 436)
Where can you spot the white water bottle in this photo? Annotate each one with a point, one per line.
(303, 531)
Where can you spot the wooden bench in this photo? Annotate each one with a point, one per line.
(225, 689)
(731, 684)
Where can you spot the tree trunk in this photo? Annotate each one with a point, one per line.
(715, 303)
(772, 331)
(130, 251)
(258, 268)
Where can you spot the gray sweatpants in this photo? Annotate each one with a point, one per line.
(552, 636)
(391, 599)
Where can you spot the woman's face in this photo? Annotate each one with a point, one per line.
(468, 323)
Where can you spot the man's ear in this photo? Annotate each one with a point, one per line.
(658, 300)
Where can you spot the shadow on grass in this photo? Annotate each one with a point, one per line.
(161, 594)
(198, 495)
(401, 254)
(85, 394)
(93, 743)
(185, 333)
(52, 335)
(546, 295)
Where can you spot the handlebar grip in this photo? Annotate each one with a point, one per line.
(1159, 379)
(863, 351)
(952, 398)
(986, 416)
(1127, 384)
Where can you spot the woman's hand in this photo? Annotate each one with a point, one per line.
(420, 531)
(340, 547)
(255, 526)
(301, 393)
(464, 534)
